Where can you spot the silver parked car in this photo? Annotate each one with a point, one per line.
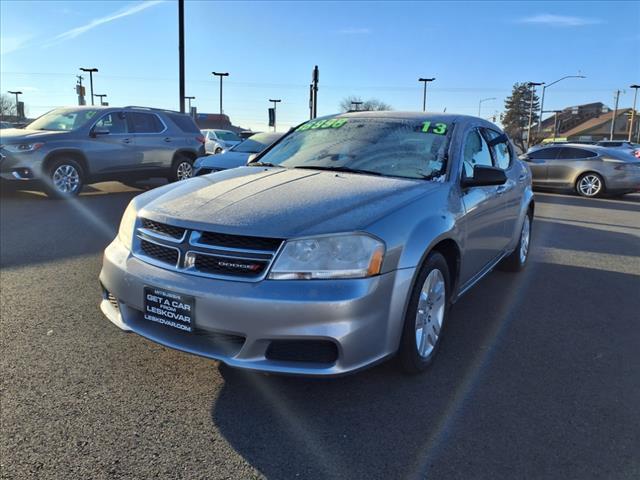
(589, 170)
(216, 141)
(237, 155)
(67, 148)
(340, 246)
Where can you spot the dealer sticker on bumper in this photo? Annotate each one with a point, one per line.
(169, 308)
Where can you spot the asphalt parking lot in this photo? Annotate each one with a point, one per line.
(537, 376)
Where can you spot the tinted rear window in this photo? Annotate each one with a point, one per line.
(569, 152)
(184, 122)
(144, 123)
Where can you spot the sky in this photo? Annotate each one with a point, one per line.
(475, 50)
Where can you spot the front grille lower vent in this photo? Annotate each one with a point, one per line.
(160, 253)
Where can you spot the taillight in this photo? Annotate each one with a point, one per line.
(200, 138)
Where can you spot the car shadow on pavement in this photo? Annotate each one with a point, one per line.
(36, 229)
(515, 379)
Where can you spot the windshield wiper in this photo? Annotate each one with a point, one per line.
(261, 164)
(339, 169)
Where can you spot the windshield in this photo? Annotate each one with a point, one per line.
(256, 143)
(61, 120)
(228, 136)
(382, 146)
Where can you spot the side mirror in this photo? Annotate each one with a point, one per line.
(99, 131)
(524, 157)
(251, 158)
(484, 176)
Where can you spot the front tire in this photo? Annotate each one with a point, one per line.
(426, 315)
(590, 185)
(518, 258)
(182, 169)
(65, 179)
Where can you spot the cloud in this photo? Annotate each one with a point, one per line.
(552, 20)
(354, 31)
(125, 12)
(11, 44)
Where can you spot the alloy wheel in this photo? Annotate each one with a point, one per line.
(525, 237)
(66, 178)
(430, 314)
(184, 170)
(590, 185)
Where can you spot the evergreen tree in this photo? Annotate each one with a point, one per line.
(516, 116)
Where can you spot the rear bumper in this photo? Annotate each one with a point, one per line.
(237, 322)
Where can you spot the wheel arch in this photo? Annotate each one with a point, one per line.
(72, 154)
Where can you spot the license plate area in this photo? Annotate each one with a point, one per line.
(173, 310)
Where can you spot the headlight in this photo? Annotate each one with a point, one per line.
(23, 147)
(339, 256)
(128, 225)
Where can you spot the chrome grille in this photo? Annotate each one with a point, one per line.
(205, 253)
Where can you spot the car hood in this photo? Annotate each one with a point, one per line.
(15, 135)
(224, 160)
(280, 203)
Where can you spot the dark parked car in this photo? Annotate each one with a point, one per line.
(69, 147)
(237, 155)
(590, 170)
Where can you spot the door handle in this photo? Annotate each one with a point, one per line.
(501, 189)
(167, 139)
(126, 140)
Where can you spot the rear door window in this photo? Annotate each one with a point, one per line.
(144, 123)
(549, 153)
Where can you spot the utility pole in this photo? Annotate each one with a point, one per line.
(181, 51)
(274, 111)
(424, 93)
(80, 90)
(633, 110)
(533, 86)
(544, 88)
(357, 104)
(615, 114)
(190, 98)
(91, 71)
(101, 96)
(313, 93)
(17, 101)
(480, 104)
(220, 74)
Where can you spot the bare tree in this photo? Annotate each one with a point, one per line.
(7, 106)
(368, 105)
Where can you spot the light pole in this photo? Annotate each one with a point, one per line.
(101, 96)
(545, 88)
(533, 86)
(190, 98)
(16, 94)
(276, 101)
(483, 100)
(424, 94)
(615, 114)
(633, 110)
(357, 105)
(91, 71)
(220, 74)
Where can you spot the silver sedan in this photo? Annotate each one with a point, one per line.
(343, 244)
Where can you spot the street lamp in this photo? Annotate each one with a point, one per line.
(276, 101)
(220, 74)
(484, 100)
(424, 95)
(356, 104)
(545, 88)
(633, 110)
(100, 96)
(91, 71)
(190, 98)
(533, 86)
(16, 94)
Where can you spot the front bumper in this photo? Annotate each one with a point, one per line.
(362, 317)
(24, 168)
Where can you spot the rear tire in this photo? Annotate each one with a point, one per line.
(518, 258)
(65, 179)
(182, 168)
(590, 185)
(426, 315)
